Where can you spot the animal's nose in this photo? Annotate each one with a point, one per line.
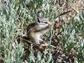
(50, 24)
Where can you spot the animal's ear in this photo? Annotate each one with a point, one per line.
(38, 15)
(38, 20)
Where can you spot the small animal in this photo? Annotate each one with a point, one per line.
(37, 29)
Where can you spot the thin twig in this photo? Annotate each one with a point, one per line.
(63, 13)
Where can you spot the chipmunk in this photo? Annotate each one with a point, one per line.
(37, 29)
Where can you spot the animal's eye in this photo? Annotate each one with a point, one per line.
(45, 22)
(38, 20)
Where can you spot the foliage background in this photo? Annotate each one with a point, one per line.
(67, 32)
